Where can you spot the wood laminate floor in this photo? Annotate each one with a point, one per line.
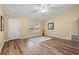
(50, 47)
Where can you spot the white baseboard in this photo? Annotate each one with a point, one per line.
(59, 37)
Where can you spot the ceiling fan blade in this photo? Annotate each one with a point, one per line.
(35, 11)
(54, 6)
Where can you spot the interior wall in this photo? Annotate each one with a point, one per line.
(24, 29)
(1, 32)
(74, 26)
(6, 28)
(25, 32)
(78, 26)
(63, 27)
(75, 22)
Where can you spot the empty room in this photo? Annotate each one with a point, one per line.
(39, 29)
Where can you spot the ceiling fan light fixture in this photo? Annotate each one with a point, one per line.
(44, 10)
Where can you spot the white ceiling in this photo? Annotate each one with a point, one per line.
(31, 10)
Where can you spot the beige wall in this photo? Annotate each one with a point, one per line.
(78, 27)
(63, 27)
(24, 29)
(25, 32)
(6, 28)
(1, 32)
(74, 26)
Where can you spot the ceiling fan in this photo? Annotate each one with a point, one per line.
(44, 8)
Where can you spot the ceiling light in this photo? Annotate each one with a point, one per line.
(43, 8)
(43, 11)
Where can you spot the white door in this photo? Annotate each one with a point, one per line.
(13, 29)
